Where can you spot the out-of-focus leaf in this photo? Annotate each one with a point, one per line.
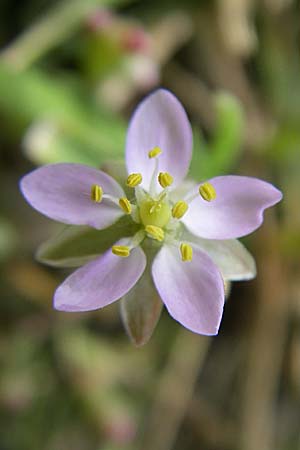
(285, 144)
(34, 97)
(96, 364)
(75, 246)
(25, 374)
(8, 238)
(47, 143)
(220, 155)
(51, 29)
(97, 368)
(102, 55)
(197, 167)
(87, 354)
(225, 145)
(290, 243)
(141, 309)
(278, 66)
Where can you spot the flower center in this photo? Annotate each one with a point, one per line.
(154, 212)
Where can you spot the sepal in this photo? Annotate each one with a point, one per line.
(76, 245)
(141, 309)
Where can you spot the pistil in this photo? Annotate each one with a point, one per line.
(154, 153)
(154, 212)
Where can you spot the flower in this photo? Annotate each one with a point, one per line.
(189, 233)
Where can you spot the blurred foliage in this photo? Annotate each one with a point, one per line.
(71, 72)
(66, 126)
(219, 155)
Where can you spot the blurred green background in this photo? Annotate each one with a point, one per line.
(71, 73)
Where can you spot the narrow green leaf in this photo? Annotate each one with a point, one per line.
(227, 139)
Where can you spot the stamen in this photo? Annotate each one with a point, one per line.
(207, 192)
(96, 193)
(125, 205)
(186, 252)
(124, 250)
(154, 152)
(134, 179)
(155, 232)
(137, 239)
(154, 213)
(121, 250)
(165, 179)
(179, 209)
(162, 196)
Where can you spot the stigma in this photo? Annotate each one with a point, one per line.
(96, 193)
(207, 192)
(154, 212)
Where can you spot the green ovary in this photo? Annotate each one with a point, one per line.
(155, 213)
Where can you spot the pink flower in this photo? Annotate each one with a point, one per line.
(189, 234)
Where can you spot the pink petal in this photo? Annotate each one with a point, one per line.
(62, 192)
(159, 120)
(100, 282)
(236, 211)
(193, 292)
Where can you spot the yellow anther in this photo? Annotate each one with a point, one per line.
(155, 232)
(154, 152)
(207, 192)
(96, 193)
(165, 179)
(134, 179)
(125, 205)
(179, 209)
(121, 250)
(186, 252)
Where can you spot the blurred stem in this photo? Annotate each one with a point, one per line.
(174, 391)
(268, 335)
(198, 98)
(50, 30)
